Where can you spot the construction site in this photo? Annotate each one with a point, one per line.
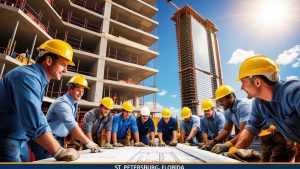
(114, 43)
(114, 48)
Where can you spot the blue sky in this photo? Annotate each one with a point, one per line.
(245, 29)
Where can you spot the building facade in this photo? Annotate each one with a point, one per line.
(114, 44)
(198, 57)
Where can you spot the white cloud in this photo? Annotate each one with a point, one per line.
(288, 56)
(162, 93)
(175, 112)
(239, 55)
(159, 107)
(173, 95)
(297, 64)
(291, 78)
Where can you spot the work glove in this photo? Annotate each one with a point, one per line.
(107, 145)
(173, 143)
(249, 155)
(200, 145)
(69, 154)
(118, 145)
(152, 144)
(93, 147)
(220, 148)
(162, 144)
(139, 144)
(209, 145)
(187, 142)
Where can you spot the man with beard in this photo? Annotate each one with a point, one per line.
(213, 122)
(237, 113)
(121, 124)
(276, 102)
(167, 129)
(95, 120)
(189, 127)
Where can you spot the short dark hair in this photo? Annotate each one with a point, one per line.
(72, 85)
(263, 78)
(230, 95)
(40, 59)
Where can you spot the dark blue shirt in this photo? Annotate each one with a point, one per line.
(167, 129)
(21, 96)
(283, 111)
(145, 128)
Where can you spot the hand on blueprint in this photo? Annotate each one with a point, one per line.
(69, 154)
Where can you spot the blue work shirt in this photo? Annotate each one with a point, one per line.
(214, 124)
(61, 115)
(283, 111)
(121, 126)
(145, 128)
(193, 123)
(239, 113)
(167, 129)
(21, 95)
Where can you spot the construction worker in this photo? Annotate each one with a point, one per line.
(276, 102)
(145, 126)
(61, 118)
(21, 95)
(121, 123)
(167, 129)
(189, 127)
(237, 113)
(95, 120)
(213, 122)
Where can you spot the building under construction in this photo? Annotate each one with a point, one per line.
(198, 57)
(114, 44)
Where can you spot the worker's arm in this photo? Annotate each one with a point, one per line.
(136, 137)
(108, 136)
(88, 120)
(175, 135)
(205, 137)
(245, 139)
(224, 133)
(48, 142)
(152, 136)
(114, 138)
(160, 137)
(192, 133)
(79, 135)
(242, 126)
(182, 135)
(89, 135)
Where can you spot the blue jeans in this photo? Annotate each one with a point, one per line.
(12, 150)
(145, 139)
(39, 152)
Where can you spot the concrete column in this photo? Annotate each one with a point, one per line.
(102, 52)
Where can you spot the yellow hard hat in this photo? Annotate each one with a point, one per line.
(58, 47)
(108, 102)
(259, 65)
(207, 104)
(186, 112)
(223, 91)
(166, 113)
(127, 106)
(79, 80)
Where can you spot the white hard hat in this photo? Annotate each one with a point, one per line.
(145, 111)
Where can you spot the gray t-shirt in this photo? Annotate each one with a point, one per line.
(94, 122)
